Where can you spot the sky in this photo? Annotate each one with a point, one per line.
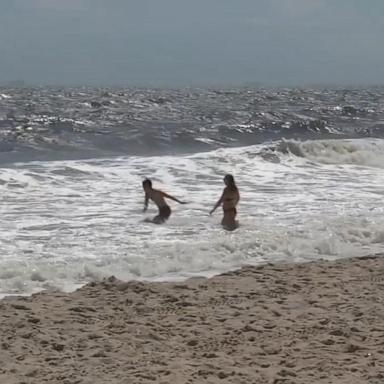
(172, 43)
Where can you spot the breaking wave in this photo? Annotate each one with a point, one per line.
(363, 152)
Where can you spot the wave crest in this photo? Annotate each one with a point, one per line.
(363, 152)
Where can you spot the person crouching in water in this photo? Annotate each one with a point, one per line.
(229, 200)
(158, 197)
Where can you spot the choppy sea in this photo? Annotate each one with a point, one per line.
(309, 164)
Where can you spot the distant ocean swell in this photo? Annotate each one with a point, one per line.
(52, 123)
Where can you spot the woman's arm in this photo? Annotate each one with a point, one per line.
(219, 202)
(146, 200)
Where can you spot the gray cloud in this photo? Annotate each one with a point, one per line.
(200, 42)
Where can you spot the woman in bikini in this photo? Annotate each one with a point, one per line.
(229, 200)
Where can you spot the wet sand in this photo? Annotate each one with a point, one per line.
(319, 322)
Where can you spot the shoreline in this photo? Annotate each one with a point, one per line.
(292, 323)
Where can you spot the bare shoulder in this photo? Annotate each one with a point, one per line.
(154, 192)
(158, 192)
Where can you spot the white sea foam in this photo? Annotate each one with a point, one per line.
(364, 152)
(65, 223)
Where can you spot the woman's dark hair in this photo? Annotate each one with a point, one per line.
(147, 182)
(231, 181)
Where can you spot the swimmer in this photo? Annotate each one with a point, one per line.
(158, 197)
(229, 200)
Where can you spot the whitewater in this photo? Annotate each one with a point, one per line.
(65, 222)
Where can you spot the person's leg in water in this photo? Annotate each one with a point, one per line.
(163, 215)
(229, 219)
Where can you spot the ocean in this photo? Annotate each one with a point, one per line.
(309, 164)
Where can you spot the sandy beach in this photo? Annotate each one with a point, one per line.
(319, 322)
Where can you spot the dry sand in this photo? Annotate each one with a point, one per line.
(320, 322)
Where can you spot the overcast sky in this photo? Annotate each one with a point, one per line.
(192, 42)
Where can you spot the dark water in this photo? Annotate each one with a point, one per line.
(53, 123)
